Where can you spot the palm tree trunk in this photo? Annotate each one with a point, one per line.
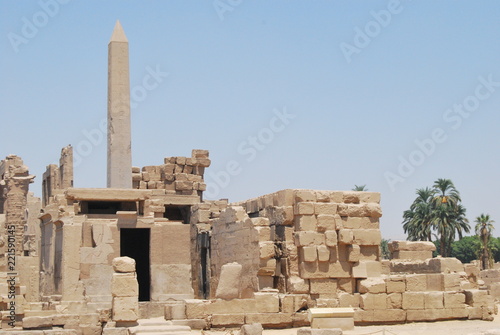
(442, 247)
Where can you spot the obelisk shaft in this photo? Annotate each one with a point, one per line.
(119, 142)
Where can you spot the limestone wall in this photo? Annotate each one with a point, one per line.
(235, 239)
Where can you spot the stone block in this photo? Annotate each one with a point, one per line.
(325, 208)
(264, 233)
(394, 300)
(125, 309)
(171, 281)
(251, 329)
(396, 284)
(325, 270)
(323, 286)
(435, 282)
(364, 316)
(451, 281)
(471, 270)
(365, 269)
(367, 236)
(345, 236)
(292, 303)
(347, 284)
(296, 284)
(267, 302)
(323, 253)
(327, 302)
(305, 238)
(124, 285)
(305, 222)
(270, 320)
(331, 238)
(310, 331)
(389, 316)
(333, 323)
(369, 197)
(300, 320)
(326, 222)
(413, 300)
(433, 300)
(175, 311)
(354, 253)
(305, 195)
(192, 323)
(416, 282)
(477, 298)
(359, 223)
(123, 264)
(348, 299)
(475, 313)
(413, 255)
(304, 208)
(227, 320)
(373, 301)
(369, 253)
(229, 281)
(411, 246)
(372, 285)
(266, 250)
(37, 322)
(309, 254)
(454, 300)
(265, 281)
(445, 265)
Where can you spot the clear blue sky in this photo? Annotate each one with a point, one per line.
(364, 81)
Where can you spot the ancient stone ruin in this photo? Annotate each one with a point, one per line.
(149, 253)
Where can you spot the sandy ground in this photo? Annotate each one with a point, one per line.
(467, 327)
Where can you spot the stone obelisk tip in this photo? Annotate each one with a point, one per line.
(118, 33)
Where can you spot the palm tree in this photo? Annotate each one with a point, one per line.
(438, 211)
(484, 227)
(418, 219)
(360, 188)
(448, 214)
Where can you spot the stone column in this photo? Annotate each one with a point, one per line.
(125, 290)
(17, 180)
(119, 143)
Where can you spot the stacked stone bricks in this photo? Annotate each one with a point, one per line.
(178, 175)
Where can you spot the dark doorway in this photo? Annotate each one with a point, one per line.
(134, 243)
(177, 213)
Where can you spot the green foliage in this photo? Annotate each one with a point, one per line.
(466, 249)
(360, 188)
(436, 211)
(384, 249)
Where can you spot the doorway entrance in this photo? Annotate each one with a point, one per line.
(134, 243)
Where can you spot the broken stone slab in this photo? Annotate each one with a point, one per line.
(123, 264)
(229, 282)
(37, 322)
(251, 329)
(309, 331)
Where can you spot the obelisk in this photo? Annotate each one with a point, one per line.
(119, 143)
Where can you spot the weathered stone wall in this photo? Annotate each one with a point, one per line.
(201, 219)
(235, 239)
(57, 178)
